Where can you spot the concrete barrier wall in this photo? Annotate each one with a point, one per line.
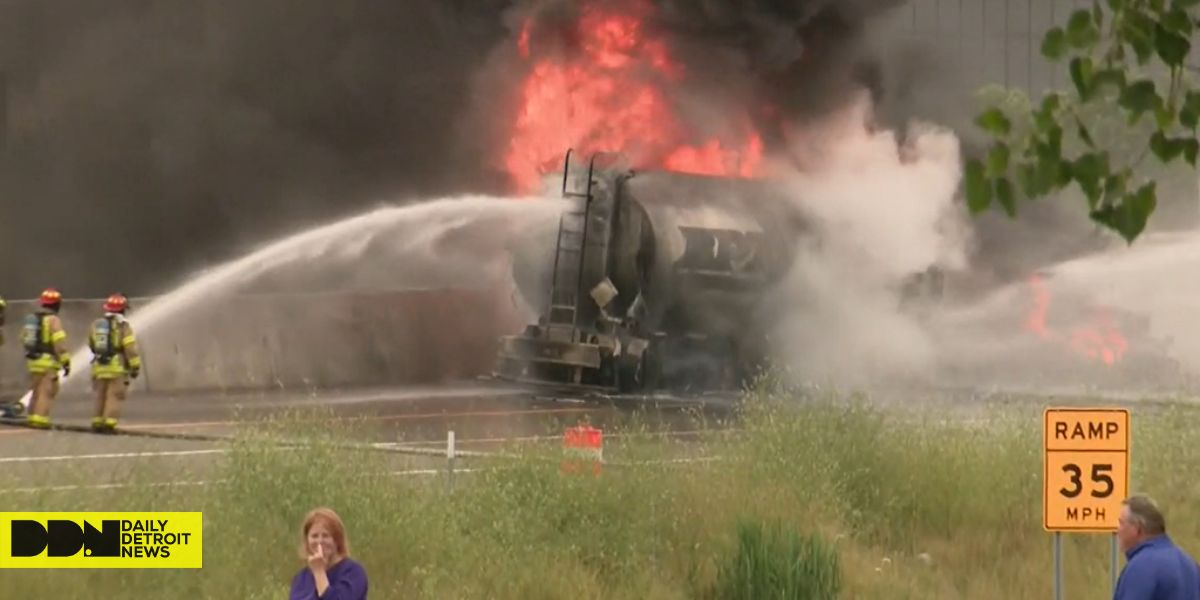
(300, 341)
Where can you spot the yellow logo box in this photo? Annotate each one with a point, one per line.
(101, 540)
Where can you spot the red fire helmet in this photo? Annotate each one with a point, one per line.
(50, 297)
(116, 303)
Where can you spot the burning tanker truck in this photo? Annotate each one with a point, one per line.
(657, 282)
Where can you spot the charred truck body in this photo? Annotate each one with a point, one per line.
(657, 283)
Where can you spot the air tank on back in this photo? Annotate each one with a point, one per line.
(655, 282)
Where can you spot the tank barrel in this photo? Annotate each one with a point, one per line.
(666, 275)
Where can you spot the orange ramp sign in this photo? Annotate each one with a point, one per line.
(1086, 466)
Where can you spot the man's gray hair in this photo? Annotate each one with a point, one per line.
(1144, 513)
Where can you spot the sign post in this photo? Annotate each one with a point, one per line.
(1085, 475)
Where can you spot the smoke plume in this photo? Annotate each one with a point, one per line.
(146, 138)
(718, 65)
(885, 209)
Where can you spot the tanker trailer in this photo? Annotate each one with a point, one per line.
(656, 283)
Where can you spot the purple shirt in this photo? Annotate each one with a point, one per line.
(347, 581)
(1157, 569)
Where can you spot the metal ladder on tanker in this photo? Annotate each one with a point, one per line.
(565, 288)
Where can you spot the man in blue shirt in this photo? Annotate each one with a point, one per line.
(1155, 568)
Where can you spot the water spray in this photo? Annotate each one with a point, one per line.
(416, 233)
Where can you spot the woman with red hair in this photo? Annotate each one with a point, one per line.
(330, 574)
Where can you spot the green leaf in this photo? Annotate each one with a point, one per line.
(1185, 4)
(979, 193)
(1171, 47)
(1108, 78)
(1049, 150)
(1065, 173)
(1116, 5)
(1143, 48)
(1054, 44)
(1138, 207)
(1081, 74)
(1137, 29)
(1130, 216)
(1090, 170)
(1084, 134)
(1051, 103)
(997, 163)
(1163, 116)
(1158, 145)
(1006, 197)
(1045, 122)
(1189, 113)
(1081, 29)
(1140, 97)
(1045, 118)
(1054, 137)
(1105, 215)
(1046, 175)
(1176, 20)
(1192, 99)
(1163, 147)
(1114, 186)
(1191, 147)
(1188, 117)
(994, 122)
(1027, 178)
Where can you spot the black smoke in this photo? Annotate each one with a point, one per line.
(804, 56)
(146, 138)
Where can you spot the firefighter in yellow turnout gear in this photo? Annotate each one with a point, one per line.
(115, 361)
(46, 354)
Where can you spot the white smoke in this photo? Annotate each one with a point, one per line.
(885, 209)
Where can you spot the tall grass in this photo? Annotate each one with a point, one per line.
(778, 563)
(817, 495)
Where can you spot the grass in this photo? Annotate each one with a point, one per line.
(820, 495)
(777, 562)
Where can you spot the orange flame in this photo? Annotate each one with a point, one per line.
(1036, 321)
(1102, 339)
(1099, 339)
(612, 95)
(523, 39)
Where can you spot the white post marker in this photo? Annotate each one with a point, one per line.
(1085, 476)
(450, 459)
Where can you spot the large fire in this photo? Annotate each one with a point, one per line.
(1099, 338)
(603, 84)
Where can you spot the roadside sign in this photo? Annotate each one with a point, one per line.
(1086, 468)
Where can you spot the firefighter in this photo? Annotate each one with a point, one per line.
(46, 354)
(115, 361)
